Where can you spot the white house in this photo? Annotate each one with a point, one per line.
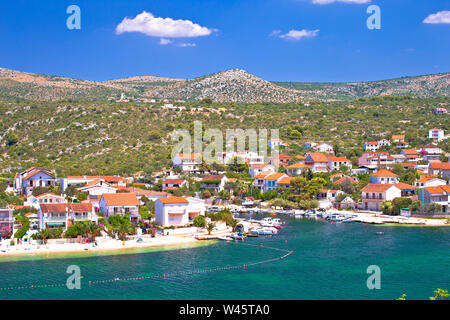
(6, 221)
(371, 146)
(274, 143)
(255, 169)
(373, 195)
(318, 162)
(323, 147)
(214, 181)
(335, 163)
(429, 181)
(172, 184)
(188, 162)
(384, 176)
(439, 195)
(97, 187)
(436, 134)
(36, 201)
(62, 215)
(25, 181)
(178, 211)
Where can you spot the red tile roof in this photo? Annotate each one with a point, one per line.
(383, 173)
(376, 187)
(121, 199)
(173, 200)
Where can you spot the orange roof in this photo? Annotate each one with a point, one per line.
(299, 156)
(376, 187)
(45, 194)
(283, 156)
(189, 156)
(410, 151)
(121, 199)
(143, 192)
(32, 171)
(338, 159)
(404, 186)
(426, 177)
(259, 165)
(438, 190)
(383, 173)
(318, 157)
(372, 142)
(263, 174)
(398, 137)
(172, 200)
(274, 176)
(173, 181)
(440, 165)
(407, 164)
(285, 180)
(298, 166)
(341, 180)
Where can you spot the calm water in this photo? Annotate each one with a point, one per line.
(329, 262)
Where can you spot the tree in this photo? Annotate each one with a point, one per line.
(206, 194)
(39, 190)
(200, 221)
(210, 228)
(20, 233)
(42, 235)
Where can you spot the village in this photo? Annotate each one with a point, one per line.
(410, 186)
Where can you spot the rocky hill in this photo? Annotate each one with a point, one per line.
(233, 85)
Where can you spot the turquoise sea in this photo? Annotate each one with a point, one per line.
(329, 261)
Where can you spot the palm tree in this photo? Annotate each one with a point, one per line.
(210, 228)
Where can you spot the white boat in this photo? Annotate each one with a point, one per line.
(276, 222)
(267, 222)
(265, 231)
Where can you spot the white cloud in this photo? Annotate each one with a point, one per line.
(150, 25)
(274, 33)
(299, 34)
(438, 17)
(164, 42)
(345, 1)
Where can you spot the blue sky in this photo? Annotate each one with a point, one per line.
(333, 43)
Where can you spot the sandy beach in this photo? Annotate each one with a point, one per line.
(103, 245)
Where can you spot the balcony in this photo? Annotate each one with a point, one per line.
(56, 218)
(83, 217)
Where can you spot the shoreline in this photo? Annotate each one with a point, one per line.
(108, 247)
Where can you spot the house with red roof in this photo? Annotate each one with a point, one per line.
(271, 180)
(178, 211)
(36, 201)
(188, 162)
(257, 168)
(297, 169)
(374, 194)
(97, 187)
(63, 215)
(384, 176)
(25, 181)
(426, 180)
(318, 161)
(439, 195)
(259, 180)
(214, 181)
(112, 204)
(335, 163)
(173, 184)
(371, 146)
(441, 169)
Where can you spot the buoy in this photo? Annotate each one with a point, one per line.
(32, 286)
(244, 266)
(285, 241)
(164, 276)
(90, 282)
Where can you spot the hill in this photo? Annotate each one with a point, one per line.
(229, 86)
(421, 86)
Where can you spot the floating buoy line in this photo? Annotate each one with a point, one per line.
(164, 275)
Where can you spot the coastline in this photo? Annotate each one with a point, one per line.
(109, 247)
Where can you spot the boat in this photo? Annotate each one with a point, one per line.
(225, 238)
(237, 236)
(267, 222)
(252, 235)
